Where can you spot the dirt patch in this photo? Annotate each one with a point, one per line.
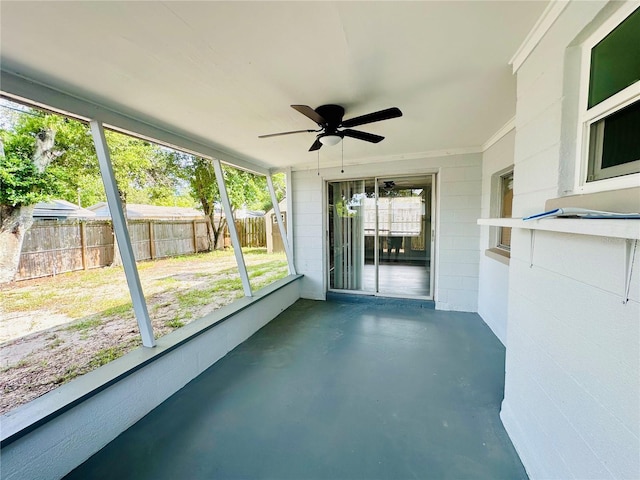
(55, 329)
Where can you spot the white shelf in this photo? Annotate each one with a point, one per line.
(629, 229)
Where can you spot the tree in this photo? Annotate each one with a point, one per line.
(245, 189)
(47, 155)
(24, 180)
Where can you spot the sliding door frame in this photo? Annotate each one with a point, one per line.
(432, 233)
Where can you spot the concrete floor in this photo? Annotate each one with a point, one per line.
(333, 390)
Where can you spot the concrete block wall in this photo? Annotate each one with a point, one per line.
(308, 232)
(493, 291)
(458, 190)
(572, 388)
(457, 237)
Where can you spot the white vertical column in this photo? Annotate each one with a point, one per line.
(235, 240)
(283, 233)
(122, 235)
(290, 211)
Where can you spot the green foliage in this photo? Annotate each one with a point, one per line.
(22, 184)
(145, 172)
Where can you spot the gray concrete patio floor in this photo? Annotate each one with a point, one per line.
(333, 390)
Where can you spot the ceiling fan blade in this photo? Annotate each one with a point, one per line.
(286, 133)
(316, 145)
(367, 137)
(373, 117)
(310, 113)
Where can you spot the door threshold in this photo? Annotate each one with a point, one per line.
(378, 299)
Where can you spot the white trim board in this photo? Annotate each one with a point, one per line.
(506, 128)
(539, 30)
(389, 158)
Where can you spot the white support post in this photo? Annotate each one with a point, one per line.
(235, 240)
(290, 213)
(122, 235)
(283, 232)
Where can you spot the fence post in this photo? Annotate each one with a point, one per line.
(195, 236)
(83, 244)
(152, 241)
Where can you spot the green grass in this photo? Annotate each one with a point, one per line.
(80, 295)
(26, 300)
(203, 275)
(93, 277)
(84, 325)
(147, 264)
(56, 342)
(267, 267)
(69, 374)
(121, 310)
(166, 281)
(106, 355)
(196, 298)
(175, 323)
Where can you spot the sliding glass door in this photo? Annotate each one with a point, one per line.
(380, 235)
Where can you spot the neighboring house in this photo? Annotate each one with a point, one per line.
(61, 210)
(137, 211)
(562, 295)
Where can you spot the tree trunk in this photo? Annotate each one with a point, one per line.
(218, 231)
(210, 236)
(15, 221)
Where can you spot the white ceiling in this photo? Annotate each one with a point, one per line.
(223, 73)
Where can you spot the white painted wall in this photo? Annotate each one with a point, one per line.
(493, 290)
(458, 193)
(572, 391)
(54, 449)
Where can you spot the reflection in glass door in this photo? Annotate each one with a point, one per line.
(347, 213)
(380, 233)
(404, 236)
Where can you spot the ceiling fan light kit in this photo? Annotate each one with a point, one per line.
(330, 140)
(329, 119)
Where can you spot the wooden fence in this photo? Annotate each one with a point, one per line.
(252, 232)
(53, 247)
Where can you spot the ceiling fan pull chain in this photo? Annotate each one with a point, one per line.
(318, 162)
(342, 164)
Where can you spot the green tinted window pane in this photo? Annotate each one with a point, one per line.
(622, 137)
(615, 61)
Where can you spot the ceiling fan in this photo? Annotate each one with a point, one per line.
(329, 119)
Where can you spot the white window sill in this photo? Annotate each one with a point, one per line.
(629, 229)
(498, 254)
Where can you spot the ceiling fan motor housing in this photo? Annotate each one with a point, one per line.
(329, 119)
(333, 116)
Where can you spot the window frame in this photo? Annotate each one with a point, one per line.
(502, 179)
(495, 250)
(588, 116)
